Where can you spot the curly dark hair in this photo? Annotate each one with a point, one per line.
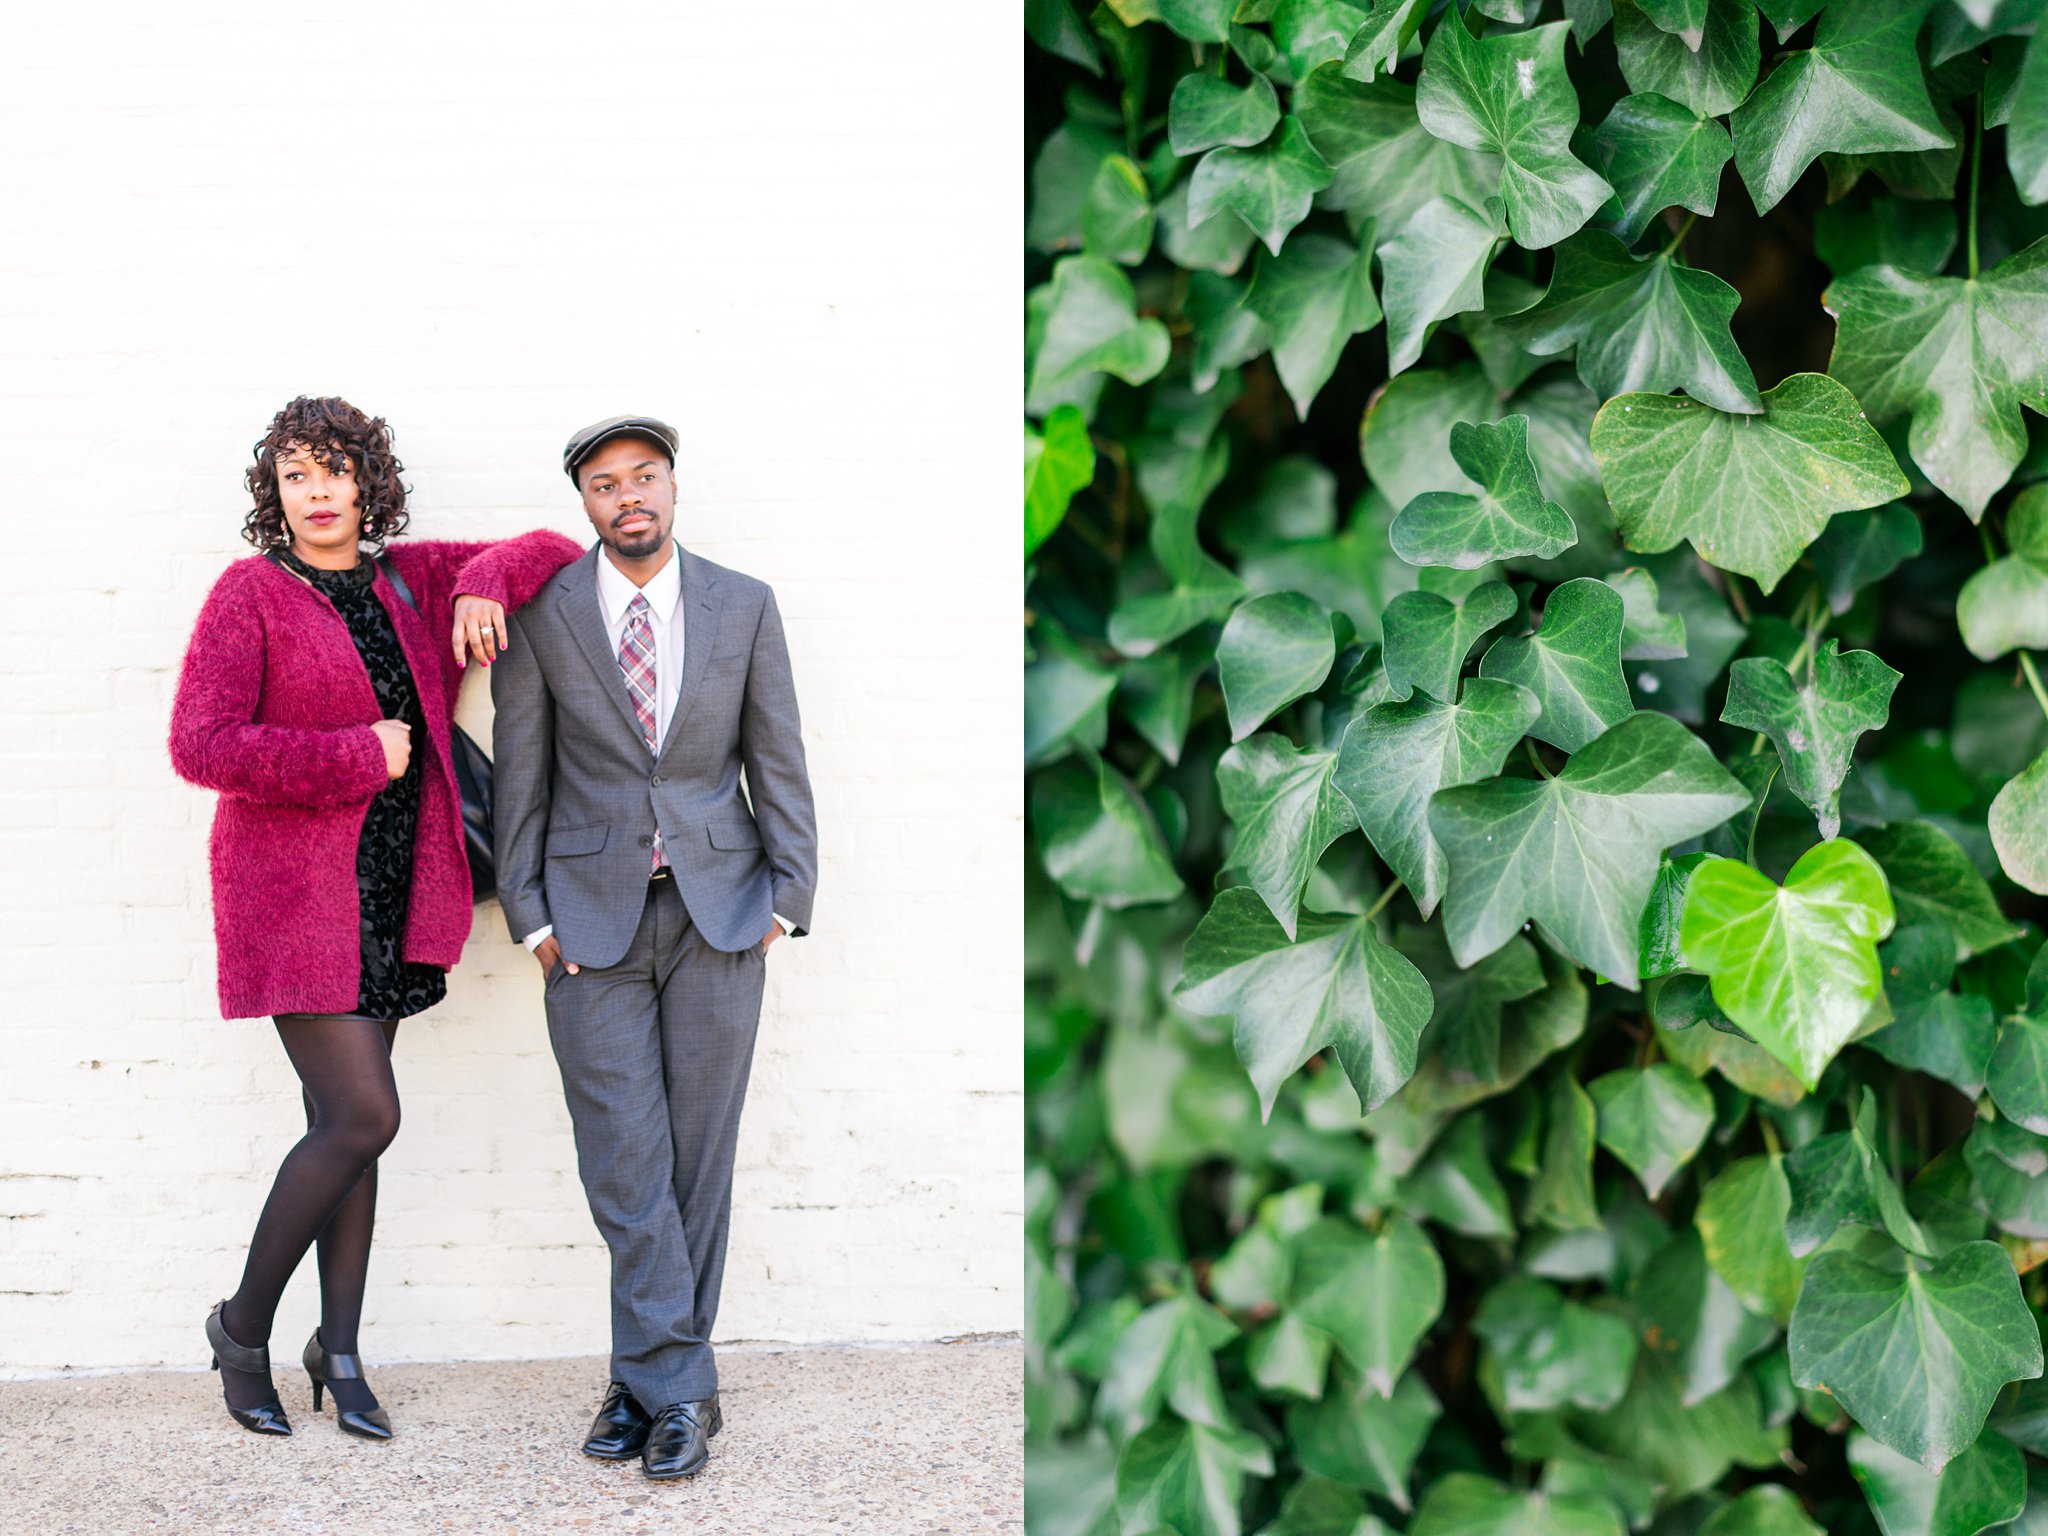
(333, 430)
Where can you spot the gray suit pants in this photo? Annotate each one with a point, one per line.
(654, 1053)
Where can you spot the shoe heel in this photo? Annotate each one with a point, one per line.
(318, 1387)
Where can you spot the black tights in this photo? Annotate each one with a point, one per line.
(325, 1193)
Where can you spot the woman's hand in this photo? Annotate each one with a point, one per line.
(396, 736)
(479, 628)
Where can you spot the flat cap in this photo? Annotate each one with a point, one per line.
(585, 440)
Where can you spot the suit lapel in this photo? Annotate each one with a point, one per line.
(701, 603)
(577, 603)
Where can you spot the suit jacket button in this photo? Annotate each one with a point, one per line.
(646, 842)
(655, 781)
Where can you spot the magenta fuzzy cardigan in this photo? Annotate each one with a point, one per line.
(274, 710)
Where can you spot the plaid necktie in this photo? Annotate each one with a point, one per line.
(636, 660)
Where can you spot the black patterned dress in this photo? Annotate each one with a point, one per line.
(392, 988)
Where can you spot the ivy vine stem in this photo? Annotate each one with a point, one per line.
(1683, 230)
(1385, 896)
(2034, 681)
(1976, 172)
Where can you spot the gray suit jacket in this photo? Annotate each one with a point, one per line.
(578, 796)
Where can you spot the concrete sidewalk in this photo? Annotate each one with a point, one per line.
(897, 1441)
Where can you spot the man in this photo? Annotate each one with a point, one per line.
(634, 691)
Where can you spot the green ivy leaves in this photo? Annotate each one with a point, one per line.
(1794, 965)
(1578, 853)
(1509, 95)
(1506, 519)
(1335, 986)
(1360, 804)
(1915, 1356)
(1749, 492)
(1957, 356)
(1646, 324)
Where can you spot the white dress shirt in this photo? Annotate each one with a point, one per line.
(664, 594)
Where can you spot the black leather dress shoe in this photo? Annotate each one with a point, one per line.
(678, 1441)
(620, 1428)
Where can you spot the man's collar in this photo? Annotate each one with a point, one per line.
(615, 590)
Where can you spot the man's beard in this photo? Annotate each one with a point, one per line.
(635, 546)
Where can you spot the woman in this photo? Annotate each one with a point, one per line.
(318, 702)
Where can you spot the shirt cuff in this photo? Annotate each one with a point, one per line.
(784, 922)
(532, 940)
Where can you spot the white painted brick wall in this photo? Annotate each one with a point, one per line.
(790, 231)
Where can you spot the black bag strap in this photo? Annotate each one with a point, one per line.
(397, 583)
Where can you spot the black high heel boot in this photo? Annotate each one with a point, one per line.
(265, 1418)
(321, 1368)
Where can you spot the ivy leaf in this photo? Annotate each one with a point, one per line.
(1814, 724)
(1057, 463)
(1166, 1358)
(1767, 1510)
(1435, 268)
(1176, 478)
(1660, 154)
(1092, 326)
(1456, 1187)
(2026, 134)
(1572, 664)
(1640, 325)
(1578, 853)
(1710, 79)
(1933, 1030)
(1662, 914)
(1466, 1504)
(1959, 356)
(1375, 1294)
(1552, 1353)
(1795, 966)
(1187, 1478)
(1561, 1195)
(1363, 1437)
(2019, 827)
(1859, 90)
(1376, 46)
(1098, 839)
(1199, 21)
(1398, 754)
(1915, 1357)
(2018, 1074)
(1684, 19)
(1428, 637)
(2005, 1163)
(1741, 1221)
(1270, 188)
(1274, 649)
(1287, 811)
(1509, 95)
(1207, 111)
(1933, 881)
(1116, 223)
(1985, 1485)
(1465, 1036)
(1382, 160)
(1315, 1507)
(1750, 492)
(1859, 549)
(1507, 519)
(1337, 986)
(1654, 1119)
(2004, 607)
(1647, 632)
(1314, 32)
(1693, 1321)
(1066, 697)
(1286, 1355)
(1313, 299)
(1842, 1178)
